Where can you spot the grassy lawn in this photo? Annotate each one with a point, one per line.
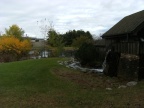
(46, 84)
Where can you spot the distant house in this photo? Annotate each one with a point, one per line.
(38, 48)
(37, 43)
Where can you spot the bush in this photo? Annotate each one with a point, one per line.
(88, 55)
(11, 48)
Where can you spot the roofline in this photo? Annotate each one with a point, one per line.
(133, 30)
(122, 35)
(139, 27)
(115, 35)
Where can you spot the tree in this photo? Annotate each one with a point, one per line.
(80, 40)
(69, 36)
(15, 31)
(88, 55)
(55, 40)
(45, 26)
(12, 47)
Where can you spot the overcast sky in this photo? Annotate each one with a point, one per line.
(96, 16)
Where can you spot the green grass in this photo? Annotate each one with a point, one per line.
(45, 84)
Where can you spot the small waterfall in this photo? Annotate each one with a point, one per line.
(104, 63)
(111, 62)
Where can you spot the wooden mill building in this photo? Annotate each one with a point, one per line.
(127, 36)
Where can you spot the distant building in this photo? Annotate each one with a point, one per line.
(38, 48)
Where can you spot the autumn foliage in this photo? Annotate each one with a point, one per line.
(12, 47)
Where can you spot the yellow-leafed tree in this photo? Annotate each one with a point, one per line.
(11, 48)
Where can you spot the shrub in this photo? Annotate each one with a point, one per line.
(12, 48)
(88, 55)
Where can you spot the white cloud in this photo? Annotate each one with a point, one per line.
(91, 15)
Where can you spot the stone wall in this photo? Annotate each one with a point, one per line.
(128, 66)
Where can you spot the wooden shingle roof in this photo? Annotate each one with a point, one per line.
(127, 25)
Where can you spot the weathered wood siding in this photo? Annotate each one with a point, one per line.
(129, 47)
